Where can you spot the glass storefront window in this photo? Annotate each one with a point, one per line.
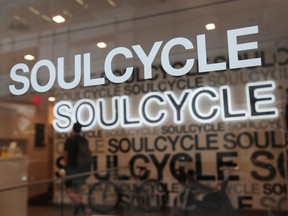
(183, 104)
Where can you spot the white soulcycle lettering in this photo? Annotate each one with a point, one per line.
(92, 113)
(23, 78)
(77, 76)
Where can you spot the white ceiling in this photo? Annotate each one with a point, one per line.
(26, 25)
(26, 22)
(34, 15)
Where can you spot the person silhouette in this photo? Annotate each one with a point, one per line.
(73, 184)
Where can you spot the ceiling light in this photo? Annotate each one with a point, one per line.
(29, 57)
(101, 45)
(16, 17)
(112, 3)
(45, 17)
(34, 11)
(210, 26)
(58, 19)
(20, 19)
(80, 2)
(67, 13)
(51, 99)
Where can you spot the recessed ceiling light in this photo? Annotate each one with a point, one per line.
(58, 19)
(29, 57)
(210, 26)
(101, 45)
(51, 99)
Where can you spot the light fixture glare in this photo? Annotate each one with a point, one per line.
(29, 57)
(101, 45)
(112, 3)
(58, 19)
(210, 26)
(51, 99)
